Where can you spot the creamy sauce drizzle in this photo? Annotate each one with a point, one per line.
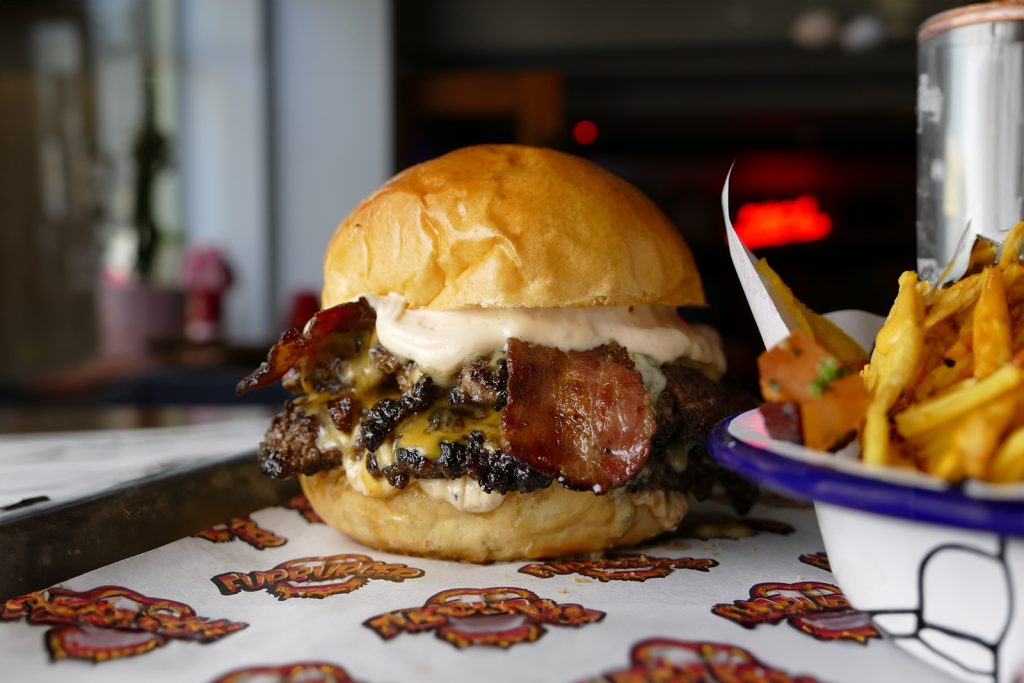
(463, 494)
(440, 341)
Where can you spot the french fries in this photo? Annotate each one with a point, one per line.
(959, 400)
(1008, 464)
(945, 380)
(1011, 251)
(946, 377)
(992, 339)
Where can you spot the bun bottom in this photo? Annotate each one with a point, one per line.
(551, 522)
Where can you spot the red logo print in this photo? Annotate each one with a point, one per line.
(300, 672)
(709, 526)
(301, 505)
(818, 609)
(491, 617)
(111, 622)
(662, 660)
(244, 529)
(819, 560)
(617, 568)
(315, 577)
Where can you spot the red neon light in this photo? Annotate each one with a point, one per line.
(584, 132)
(772, 224)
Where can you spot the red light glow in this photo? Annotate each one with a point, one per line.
(772, 224)
(584, 132)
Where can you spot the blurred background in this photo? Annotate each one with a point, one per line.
(170, 171)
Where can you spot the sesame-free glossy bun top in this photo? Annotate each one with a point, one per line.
(510, 226)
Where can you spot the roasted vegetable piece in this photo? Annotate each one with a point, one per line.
(830, 395)
(830, 420)
(790, 369)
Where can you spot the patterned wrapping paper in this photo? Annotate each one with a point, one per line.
(281, 596)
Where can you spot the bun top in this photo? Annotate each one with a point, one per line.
(510, 226)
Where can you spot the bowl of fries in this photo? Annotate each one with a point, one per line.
(913, 456)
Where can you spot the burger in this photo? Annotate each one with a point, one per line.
(498, 371)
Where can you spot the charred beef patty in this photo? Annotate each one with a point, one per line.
(591, 404)
(290, 445)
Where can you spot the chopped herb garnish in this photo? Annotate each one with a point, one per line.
(775, 386)
(797, 351)
(829, 370)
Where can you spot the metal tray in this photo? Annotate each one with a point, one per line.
(42, 546)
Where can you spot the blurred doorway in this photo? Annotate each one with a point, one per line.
(47, 265)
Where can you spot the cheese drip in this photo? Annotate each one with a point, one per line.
(463, 494)
(416, 432)
(440, 341)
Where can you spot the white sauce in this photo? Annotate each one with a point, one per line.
(463, 494)
(440, 341)
(329, 436)
(364, 482)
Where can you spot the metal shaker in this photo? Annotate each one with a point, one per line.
(970, 129)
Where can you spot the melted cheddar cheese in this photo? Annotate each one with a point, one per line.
(416, 432)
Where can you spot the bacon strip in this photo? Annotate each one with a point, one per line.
(582, 417)
(293, 345)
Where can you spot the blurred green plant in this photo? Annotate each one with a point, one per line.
(151, 151)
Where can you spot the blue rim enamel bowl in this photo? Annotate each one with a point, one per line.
(939, 568)
(741, 444)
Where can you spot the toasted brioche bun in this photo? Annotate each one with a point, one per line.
(550, 522)
(510, 226)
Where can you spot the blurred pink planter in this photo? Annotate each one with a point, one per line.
(133, 317)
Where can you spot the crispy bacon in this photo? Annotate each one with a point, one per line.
(582, 417)
(293, 345)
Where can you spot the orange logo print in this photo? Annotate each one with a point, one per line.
(662, 660)
(300, 672)
(244, 529)
(618, 568)
(301, 505)
(111, 622)
(819, 560)
(315, 577)
(818, 609)
(491, 617)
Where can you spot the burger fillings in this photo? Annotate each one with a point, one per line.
(439, 344)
